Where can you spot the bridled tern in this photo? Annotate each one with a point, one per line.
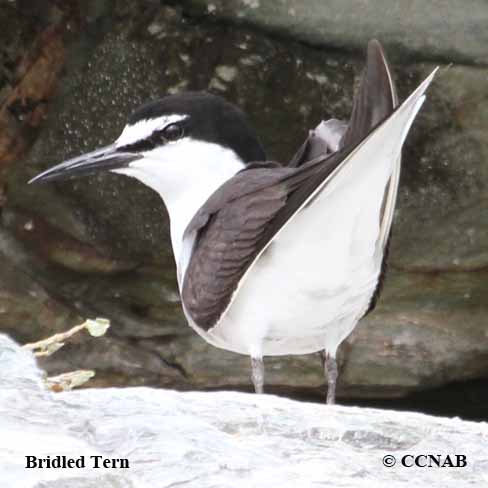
(271, 259)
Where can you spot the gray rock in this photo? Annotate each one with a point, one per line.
(441, 222)
(437, 29)
(218, 439)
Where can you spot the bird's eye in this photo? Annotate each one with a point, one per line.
(172, 132)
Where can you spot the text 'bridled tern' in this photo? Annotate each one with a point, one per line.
(271, 259)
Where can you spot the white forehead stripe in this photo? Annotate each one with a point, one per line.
(144, 128)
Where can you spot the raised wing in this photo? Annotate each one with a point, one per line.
(241, 219)
(235, 225)
(374, 101)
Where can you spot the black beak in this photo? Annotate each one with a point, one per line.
(103, 159)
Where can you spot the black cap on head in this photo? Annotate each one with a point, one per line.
(210, 118)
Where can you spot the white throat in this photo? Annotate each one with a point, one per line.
(184, 173)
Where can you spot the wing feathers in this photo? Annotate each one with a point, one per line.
(241, 219)
(375, 99)
(224, 248)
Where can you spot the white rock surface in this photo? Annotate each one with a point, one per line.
(226, 439)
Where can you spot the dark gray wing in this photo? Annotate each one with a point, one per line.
(228, 230)
(375, 100)
(236, 223)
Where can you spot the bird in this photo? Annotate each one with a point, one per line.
(272, 258)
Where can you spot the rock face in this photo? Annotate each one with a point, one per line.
(218, 439)
(413, 28)
(100, 247)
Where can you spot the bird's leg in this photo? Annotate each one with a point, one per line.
(257, 373)
(330, 369)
